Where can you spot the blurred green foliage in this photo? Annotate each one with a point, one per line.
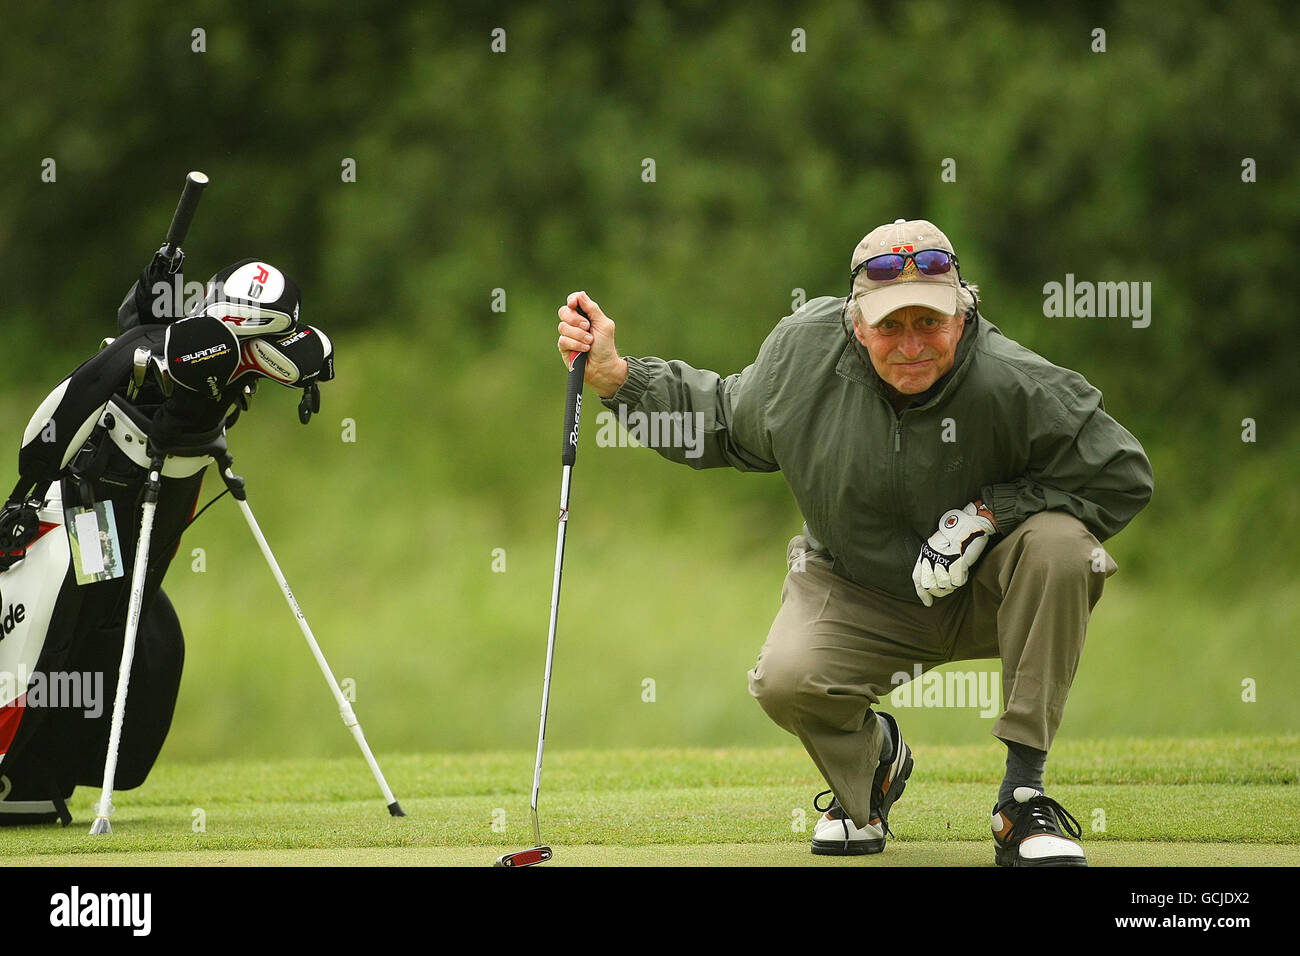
(522, 171)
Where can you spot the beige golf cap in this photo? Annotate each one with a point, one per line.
(906, 237)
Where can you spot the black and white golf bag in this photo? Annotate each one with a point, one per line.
(161, 390)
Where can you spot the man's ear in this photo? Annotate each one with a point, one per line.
(858, 331)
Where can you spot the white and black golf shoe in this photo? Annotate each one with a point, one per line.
(1027, 832)
(837, 835)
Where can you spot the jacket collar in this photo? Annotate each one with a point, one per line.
(855, 365)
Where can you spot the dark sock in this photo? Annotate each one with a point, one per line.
(1024, 769)
(887, 747)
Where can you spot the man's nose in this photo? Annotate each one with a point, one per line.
(911, 345)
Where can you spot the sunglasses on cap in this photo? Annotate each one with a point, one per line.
(882, 268)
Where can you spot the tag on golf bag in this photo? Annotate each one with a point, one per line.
(299, 358)
(92, 536)
(29, 592)
(252, 298)
(202, 355)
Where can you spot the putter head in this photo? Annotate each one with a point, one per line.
(538, 854)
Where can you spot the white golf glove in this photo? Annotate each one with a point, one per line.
(947, 557)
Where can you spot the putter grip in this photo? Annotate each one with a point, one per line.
(194, 184)
(573, 406)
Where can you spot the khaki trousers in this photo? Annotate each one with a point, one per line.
(836, 647)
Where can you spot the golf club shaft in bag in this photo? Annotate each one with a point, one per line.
(345, 709)
(104, 808)
(568, 457)
(195, 183)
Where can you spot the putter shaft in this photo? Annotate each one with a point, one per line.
(550, 645)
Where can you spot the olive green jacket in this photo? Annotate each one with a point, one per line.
(1004, 425)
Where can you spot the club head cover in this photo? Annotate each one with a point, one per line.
(19, 527)
(299, 358)
(202, 355)
(252, 297)
(309, 404)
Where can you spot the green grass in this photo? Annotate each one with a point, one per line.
(1229, 801)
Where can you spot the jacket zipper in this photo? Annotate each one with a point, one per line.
(897, 470)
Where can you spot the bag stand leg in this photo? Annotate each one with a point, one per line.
(60, 805)
(236, 486)
(104, 808)
(217, 449)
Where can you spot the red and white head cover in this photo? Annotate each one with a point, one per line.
(252, 297)
(299, 358)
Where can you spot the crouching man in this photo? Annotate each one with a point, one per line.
(955, 488)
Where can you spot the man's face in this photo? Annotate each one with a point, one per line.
(913, 347)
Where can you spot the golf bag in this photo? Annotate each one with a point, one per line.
(162, 392)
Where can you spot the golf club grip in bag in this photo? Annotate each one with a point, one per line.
(573, 404)
(193, 192)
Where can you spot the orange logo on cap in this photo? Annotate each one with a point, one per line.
(908, 248)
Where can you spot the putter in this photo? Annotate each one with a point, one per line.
(572, 416)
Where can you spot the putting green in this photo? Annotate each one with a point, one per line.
(1140, 803)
